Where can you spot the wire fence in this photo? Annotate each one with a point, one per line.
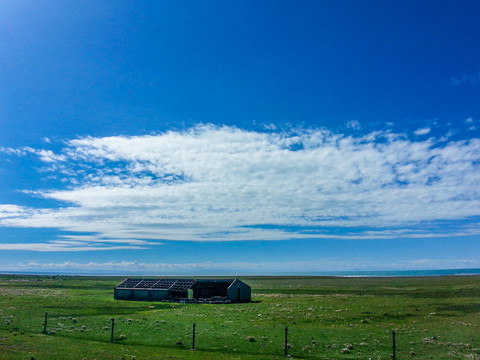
(260, 340)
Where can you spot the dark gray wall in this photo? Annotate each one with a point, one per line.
(238, 291)
(123, 294)
(141, 295)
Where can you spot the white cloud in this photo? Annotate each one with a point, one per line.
(471, 124)
(269, 126)
(45, 155)
(354, 125)
(12, 211)
(227, 184)
(59, 246)
(423, 131)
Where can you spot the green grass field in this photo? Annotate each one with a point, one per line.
(327, 318)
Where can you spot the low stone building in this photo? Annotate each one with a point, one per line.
(184, 290)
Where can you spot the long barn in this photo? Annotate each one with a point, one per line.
(188, 290)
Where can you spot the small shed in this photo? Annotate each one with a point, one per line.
(187, 290)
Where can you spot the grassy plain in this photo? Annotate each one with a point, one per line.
(327, 318)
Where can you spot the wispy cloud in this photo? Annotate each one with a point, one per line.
(354, 125)
(226, 184)
(59, 246)
(12, 211)
(44, 155)
(422, 131)
(472, 124)
(466, 79)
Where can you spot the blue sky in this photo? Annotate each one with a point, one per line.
(244, 137)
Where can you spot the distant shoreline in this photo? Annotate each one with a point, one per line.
(403, 273)
(348, 274)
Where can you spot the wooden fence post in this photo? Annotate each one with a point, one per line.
(113, 327)
(393, 344)
(286, 341)
(45, 323)
(193, 337)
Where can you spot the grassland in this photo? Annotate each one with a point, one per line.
(327, 318)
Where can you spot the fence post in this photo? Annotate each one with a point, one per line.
(45, 323)
(113, 326)
(393, 344)
(286, 341)
(193, 337)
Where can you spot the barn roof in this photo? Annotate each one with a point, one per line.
(165, 284)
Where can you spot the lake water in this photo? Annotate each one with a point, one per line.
(387, 273)
(399, 273)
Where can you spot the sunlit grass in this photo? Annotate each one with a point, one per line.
(327, 318)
